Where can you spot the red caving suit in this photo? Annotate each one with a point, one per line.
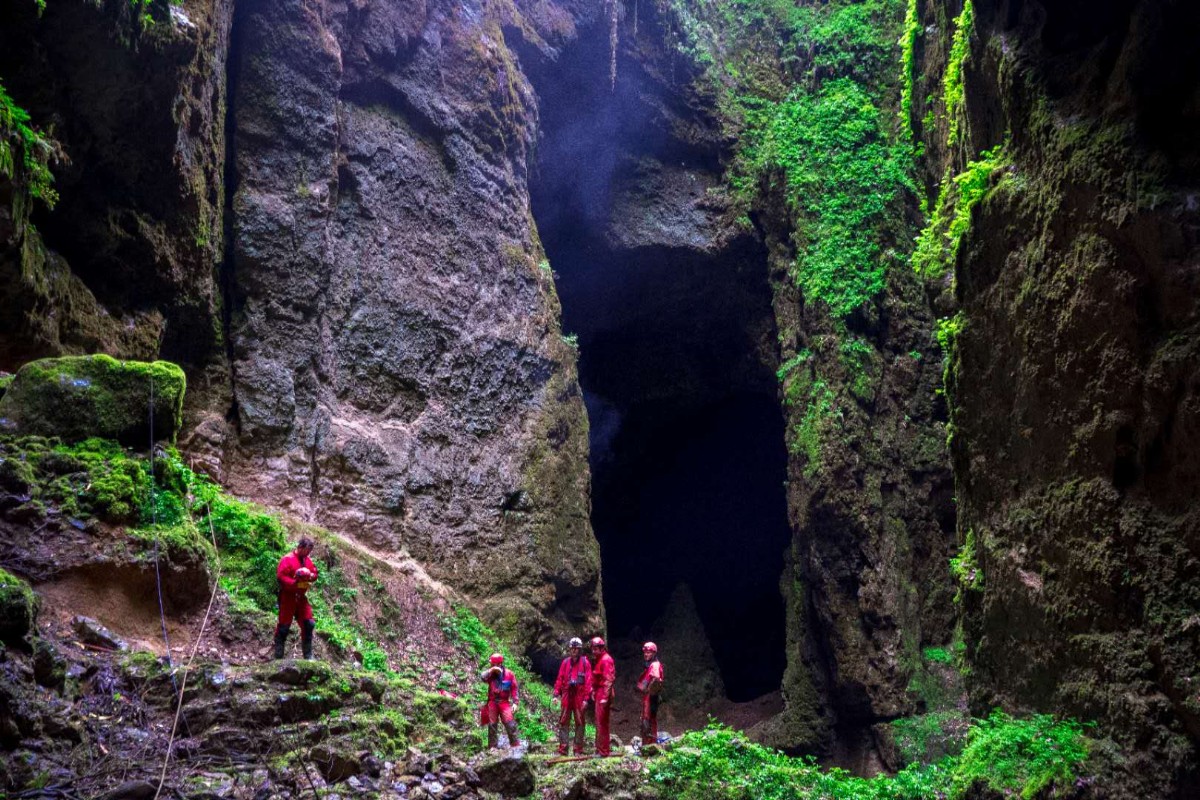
(293, 601)
(502, 696)
(649, 685)
(574, 686)
(604, 675)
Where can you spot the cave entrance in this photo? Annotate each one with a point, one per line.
(677, 343)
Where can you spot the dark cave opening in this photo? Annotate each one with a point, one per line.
(677, 357)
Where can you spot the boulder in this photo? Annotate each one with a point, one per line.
(78, 397)
(18, 611)
(335, 765)
(92, 632)
(507, 776)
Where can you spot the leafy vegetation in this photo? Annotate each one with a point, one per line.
(812, 116)
(908, 50)
(965, 567)
(25, 155)
(938, 244)
(1009, 755)
(952, 80)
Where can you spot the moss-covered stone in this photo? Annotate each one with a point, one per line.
(18, 610)
(78, 397)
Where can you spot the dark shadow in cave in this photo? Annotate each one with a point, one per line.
(677, 357)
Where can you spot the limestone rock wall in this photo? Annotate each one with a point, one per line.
(1074, 385)
(126, 262)
(397, 368)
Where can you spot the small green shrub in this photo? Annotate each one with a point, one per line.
(1019, 755)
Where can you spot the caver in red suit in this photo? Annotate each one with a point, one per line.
(649, 685)
(604, 676)
(296, 573)
(573, 687)
(501, 702)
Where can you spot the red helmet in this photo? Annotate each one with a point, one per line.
(651, 646)
(496, 660)
(597, 642)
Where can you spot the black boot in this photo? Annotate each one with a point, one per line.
(281, 634)
(306, 634)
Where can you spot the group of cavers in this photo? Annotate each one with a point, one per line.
(582, 682)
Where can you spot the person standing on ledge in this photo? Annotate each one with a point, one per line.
(573, 689)
(502, 700)
(649, 685)
(296, 573)
(604, 676)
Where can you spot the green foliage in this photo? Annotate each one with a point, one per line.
(953, 91)
(938, 655)
(844, 178)
(1020, 755)
(948, 329)
(926, 738)
(908, 49)
(937, 245)
(965, 567)
(719, 763)
(786, 367)
(857, 356)
(571, 340)
(25, 155)
(536, 717)
(825, 134)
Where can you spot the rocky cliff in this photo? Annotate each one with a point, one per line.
(370, 340)
(1065, 133)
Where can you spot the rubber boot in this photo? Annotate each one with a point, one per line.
(492, 744)
(513, 740)
(281, 635)
(306, 636)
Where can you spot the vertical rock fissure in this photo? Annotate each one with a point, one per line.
(225, 268)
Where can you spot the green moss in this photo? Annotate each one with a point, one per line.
(820, 414)
(79, 397)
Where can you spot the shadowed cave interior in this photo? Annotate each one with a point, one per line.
(677, 358)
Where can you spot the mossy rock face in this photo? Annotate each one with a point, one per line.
(18, 610)
(77, 397)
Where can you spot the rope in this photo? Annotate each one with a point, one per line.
(162, 612)
(195, 648)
